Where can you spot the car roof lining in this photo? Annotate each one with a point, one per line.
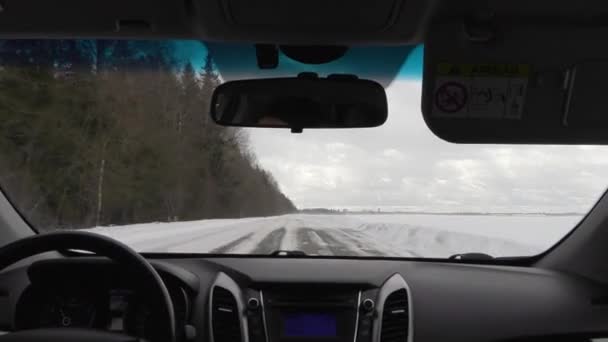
(353, 22)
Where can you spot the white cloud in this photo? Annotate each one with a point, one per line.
(403, 165)
(393, 154)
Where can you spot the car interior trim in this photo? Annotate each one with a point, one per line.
(392, 284)
(357, 317)
(265, 325)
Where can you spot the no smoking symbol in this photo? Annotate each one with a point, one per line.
(451, 97)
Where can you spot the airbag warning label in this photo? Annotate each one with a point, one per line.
(484, 91)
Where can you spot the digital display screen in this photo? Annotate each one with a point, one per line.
(309, 325)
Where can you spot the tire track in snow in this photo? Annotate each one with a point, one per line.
(311, 243)
(270, 243)
(382, 250)
(193, 238)
(365, 231)
(336, 244)
(176, 238)
(362, 242)
(227, 248)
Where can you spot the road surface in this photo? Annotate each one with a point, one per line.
(342, 235)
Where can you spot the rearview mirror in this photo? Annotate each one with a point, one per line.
(300, 102)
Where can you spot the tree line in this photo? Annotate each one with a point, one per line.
(112, 132)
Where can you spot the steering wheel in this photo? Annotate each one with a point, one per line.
(103, 246)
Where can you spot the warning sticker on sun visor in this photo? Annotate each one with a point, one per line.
(492, 91)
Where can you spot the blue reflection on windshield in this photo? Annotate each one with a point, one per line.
(232, 61)
(380, 63)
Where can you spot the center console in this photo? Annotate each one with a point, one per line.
(311, 313)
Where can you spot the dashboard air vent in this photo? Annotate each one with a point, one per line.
(225, 318)
(395, 317)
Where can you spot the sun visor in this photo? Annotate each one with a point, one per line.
(533, 82)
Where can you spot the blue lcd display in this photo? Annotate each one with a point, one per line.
(309, 325)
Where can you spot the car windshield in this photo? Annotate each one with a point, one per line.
(114, 137)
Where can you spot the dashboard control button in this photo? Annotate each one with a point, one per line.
(365, 327)
(368, 305)
(189, 332)
(253, 303)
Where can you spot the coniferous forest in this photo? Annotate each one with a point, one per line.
(113, 132)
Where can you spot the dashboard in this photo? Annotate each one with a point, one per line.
(309, 299)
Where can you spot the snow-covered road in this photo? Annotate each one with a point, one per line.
(345, 235)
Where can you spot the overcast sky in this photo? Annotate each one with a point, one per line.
(402, 165)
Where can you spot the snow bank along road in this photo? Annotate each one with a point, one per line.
(350, 235)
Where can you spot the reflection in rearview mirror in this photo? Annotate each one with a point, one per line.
(298, 103)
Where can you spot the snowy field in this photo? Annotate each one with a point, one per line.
(406, 235)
